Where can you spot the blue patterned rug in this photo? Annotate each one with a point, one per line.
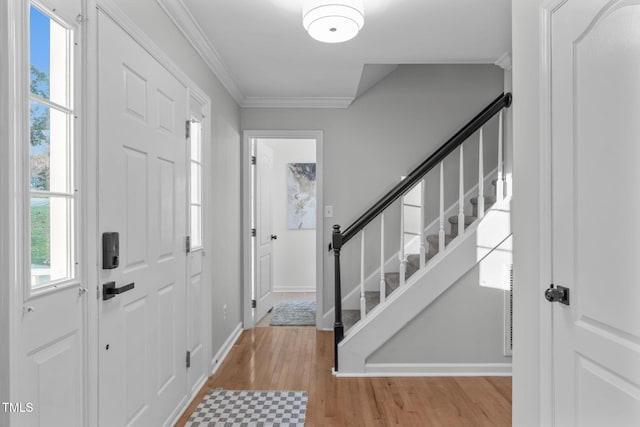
(294, 313)
(250, 408)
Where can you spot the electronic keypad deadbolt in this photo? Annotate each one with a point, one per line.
(110, 250)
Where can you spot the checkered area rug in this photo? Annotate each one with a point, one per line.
(249, 408)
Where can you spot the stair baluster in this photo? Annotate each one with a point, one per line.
(423, 201)
(383, 283)
(461, 194)
(363, 301)
(403, 260)
(480, 176)
(441, 229)
(500, 180)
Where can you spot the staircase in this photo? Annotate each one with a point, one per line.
(420, 278)
(392, 280)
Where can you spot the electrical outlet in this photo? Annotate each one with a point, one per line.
(224, 311)
(328, 211)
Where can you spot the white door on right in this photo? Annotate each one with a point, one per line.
(595, 75)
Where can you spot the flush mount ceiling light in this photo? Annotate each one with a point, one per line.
(333, 21)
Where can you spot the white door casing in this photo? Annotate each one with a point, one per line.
(142, 186)
(264, 242)
(595, 148)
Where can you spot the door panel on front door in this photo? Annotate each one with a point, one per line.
(595, 150)
(142, 182)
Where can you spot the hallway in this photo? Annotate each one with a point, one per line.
(294, 358)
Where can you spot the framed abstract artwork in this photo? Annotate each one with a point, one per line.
(301, 196)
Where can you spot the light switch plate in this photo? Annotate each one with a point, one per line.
(328, 211)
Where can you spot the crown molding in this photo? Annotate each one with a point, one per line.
(296, 102)
(504, 61)
(184, 20)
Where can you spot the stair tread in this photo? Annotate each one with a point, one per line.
(413, 264)
(392, 282)
(372, 299)
(468, 219)
(413, 259)
(487, 200)
(435, 239)
(350, 318)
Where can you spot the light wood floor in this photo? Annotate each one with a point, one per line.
(300, 358)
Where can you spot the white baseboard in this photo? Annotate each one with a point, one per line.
(219, 357)
(293, 289)
(432, 370)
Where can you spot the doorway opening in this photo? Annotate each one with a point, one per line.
(282, 211)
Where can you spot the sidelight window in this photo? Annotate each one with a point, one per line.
(51, 118)
(195, 195)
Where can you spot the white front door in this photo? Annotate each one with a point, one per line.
(142, 196)
(264, 236)
(595, 57)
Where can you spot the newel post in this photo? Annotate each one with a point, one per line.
(338, 327)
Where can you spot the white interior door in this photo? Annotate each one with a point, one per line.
(264, 236)
(596, 206)
(142, 184)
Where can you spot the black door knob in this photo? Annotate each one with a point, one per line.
(559, 294)
(274, 237)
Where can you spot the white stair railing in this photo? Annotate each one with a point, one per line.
(500, 180)
(441, 228)
(401, 256)
(461, 194)
(383, 283)
(363, 300)
(423, 202)
(480, 204)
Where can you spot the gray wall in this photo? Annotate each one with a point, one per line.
(464, 325)
(526, 216)
(381, 136)
(224, 189)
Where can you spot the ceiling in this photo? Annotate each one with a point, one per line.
(262, 54)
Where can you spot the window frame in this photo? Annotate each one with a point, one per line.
(72, 197)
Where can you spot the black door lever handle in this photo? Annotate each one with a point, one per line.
(109, 289)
